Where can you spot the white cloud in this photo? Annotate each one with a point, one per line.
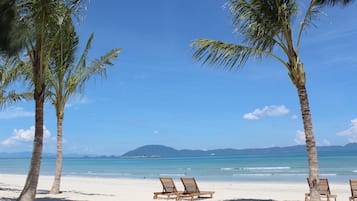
(271, 111)
(21, 135)
(250, 116)
(156, 132)
(15, 112)
(351, 132)
(300, 137)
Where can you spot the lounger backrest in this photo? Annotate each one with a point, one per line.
(168, 185)
(324, 188)
(353, 184)
(190, 185)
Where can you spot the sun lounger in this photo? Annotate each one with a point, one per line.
(353, 184)
(168, 189)
(192, 191)
(324, 190)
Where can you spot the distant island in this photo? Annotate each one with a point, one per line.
(149, 151)
(156, 151)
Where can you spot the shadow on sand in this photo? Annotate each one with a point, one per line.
(9, 189)
(42, 199)
(44, 192)
(248, 200)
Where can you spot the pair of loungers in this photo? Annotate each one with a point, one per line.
(325, 192)
(191, 191)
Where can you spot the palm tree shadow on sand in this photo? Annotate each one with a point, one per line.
(47, 198)
(41, 199)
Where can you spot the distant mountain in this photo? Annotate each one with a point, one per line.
(152, 151)
(164, 151)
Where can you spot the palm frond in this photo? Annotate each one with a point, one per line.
(226, 54)
(98, 67)
(259, 22)
(333, 2)
(12, 71)
(9, 71)
(70, 87)
(310, 15)
(82, 60)
(12, 96)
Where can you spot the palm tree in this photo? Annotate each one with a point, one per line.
(266, 28)
(42, 19)
(65, 79)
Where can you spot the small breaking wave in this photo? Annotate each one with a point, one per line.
(254, 175)
(227, 169)
(172, 175)
(329, 175)
(271, 174)
(99, 174)
(266, 168)
(184, 168)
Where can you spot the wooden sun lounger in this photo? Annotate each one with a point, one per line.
(324, 190)
(192, 191)
(353, 185)
(168, 189)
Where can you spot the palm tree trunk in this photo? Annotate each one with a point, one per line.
(29, 191)
(57, 182)
(310, 144)
(30, 188)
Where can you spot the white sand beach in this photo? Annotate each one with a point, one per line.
(107, 189)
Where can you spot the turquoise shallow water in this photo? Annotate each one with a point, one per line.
(339, 166)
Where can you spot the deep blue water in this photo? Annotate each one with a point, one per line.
(339, 166)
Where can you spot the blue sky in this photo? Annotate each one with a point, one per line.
(157, 94)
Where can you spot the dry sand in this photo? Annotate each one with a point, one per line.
(108, 189)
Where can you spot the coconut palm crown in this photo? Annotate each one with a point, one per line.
(266, 31)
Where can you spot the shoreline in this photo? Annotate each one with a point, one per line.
(79, 188)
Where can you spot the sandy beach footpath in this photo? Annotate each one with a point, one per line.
(107, 189)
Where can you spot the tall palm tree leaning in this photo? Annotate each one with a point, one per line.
(65, 79)
(42, 20)
(266, 28)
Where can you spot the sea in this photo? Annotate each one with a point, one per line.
(336, 166)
